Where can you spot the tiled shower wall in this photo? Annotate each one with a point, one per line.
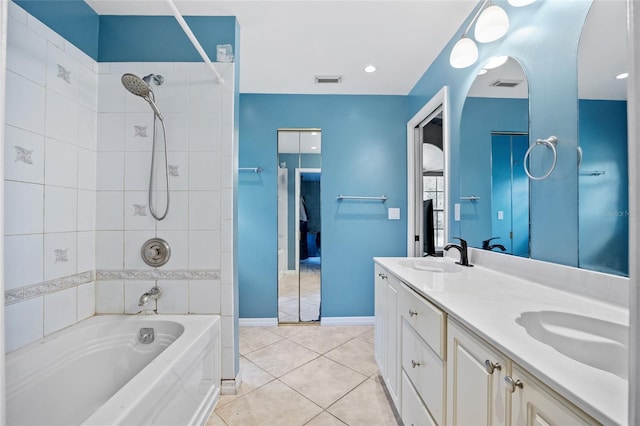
(198, 113)
(50, 177)
(77, 161)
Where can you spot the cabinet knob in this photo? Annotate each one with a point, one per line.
(412, 313)
(415, 364)
(512, 384)
(490, 366)
(383, 276)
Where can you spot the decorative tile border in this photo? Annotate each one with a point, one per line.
(157, 274)
(34, 290)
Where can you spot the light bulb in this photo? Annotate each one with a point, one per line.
(369, 68)
(483, 71)
(520, 3)
(464, 53)
(492, 24)
(495, 62)
(622, 76)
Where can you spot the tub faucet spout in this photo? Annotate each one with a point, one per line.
(152, 294)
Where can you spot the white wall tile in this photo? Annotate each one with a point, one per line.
(226, 299)
(86, 301)
(86, 210)
(61, 118)
(110, 171)
(110, 131)
(204, 249)
(204, 209)
(133, 103)
(109, 249)
(27, 101)
(109, 210)
(86, 251)
(179, 179)
(204, 297)
(138, 132)
(204, 94)
(226, 267)
(24, 208)
(133, 241)
(109, 297)
(60, 209)
(26, 52)
(119, 68)
(178, 216)
(226, 236)
(160, 68)
(24, 155)
(137, 167)
(24, 323)
(60, 163)
(86, 81)
(17, 13)
(87, 128)
(136, 211)
(132, 292)
(227, 169)
(177, 125)
(111, 93)
(227, 331)
(173, 95)
(175, 297)
(62, 73)
(87, 169)
(45, 32)
(59, 310)
(60, 255)
(190, 68)
(204, 132)
(228, 363)
(204, 171)
(23, 260)
(226, 204)
(179, 243)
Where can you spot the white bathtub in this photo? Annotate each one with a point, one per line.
(98, 373)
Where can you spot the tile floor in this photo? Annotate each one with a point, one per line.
(306, 375)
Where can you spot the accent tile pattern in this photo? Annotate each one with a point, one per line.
(61, 255)
(139, 210)
(285, 383)
(157, 274)
(34, 290)
(173, 170)
(140, 132)
(64, 74)
(23, 155)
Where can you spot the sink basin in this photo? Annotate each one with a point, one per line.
(429, 265)
(595, 342)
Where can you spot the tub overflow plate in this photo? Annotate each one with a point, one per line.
(156, 252)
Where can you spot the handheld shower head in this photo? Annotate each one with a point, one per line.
(138, 87)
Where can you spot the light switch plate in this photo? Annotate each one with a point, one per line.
(394, 213)
(456, 212)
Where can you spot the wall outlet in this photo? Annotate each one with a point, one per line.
(393, 213)
(456, 212)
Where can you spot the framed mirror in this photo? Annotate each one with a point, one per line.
(299, 225)
(494, 189)
(602, 136)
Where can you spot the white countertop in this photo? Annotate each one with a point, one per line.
(488, 302)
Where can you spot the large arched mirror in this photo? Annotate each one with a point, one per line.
(494, 189)
(602, 110)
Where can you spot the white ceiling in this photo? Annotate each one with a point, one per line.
(284, 44)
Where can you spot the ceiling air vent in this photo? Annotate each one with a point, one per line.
(328, 79)
(506, 83)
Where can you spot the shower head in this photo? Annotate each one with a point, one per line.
(138, 87)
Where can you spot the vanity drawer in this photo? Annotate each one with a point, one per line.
(425, 371)
(427, 320)
(413, 411)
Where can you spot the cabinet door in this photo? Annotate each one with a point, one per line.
(392, 339)
(475, 394)
(413, 411)
(379, 342)
(534, 404)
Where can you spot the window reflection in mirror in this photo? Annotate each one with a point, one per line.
(494, 190)
(602, 134)
(433, 186)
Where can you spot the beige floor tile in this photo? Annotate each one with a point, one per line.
(368, 335)
(325, 419)
(323, 381)
(356, 330)
(291, 330)
(252, 378)
(215, 420)
(253, 338)
(322, 339)
(366, 405)
(356, 354)
(271, 404)
(281, 357)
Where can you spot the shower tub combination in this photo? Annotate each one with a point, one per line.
(112, 370)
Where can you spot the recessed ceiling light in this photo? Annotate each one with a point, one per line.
(369, 68)
(622, 76)
(483, 71)
(495, 62)
(314, 147)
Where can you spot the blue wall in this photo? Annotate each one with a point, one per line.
(543, 37)
(604, 201)
(363, 153)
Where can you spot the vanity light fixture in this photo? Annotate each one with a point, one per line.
(520, 3)
(369, 69)
(495, 62)
(622, 76)
(483, 71)
(464, 53)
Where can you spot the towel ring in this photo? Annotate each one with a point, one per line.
(551, 142)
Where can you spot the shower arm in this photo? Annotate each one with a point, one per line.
(193, 39)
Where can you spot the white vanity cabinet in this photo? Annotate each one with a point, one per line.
(387, 335)
(476, 392)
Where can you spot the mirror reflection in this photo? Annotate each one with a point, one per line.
(494, 189)
(299, 225)
(602, 109)
(432, 238)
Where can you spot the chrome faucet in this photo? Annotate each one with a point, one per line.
(487, 246)
(152, 294)
(462, 248)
